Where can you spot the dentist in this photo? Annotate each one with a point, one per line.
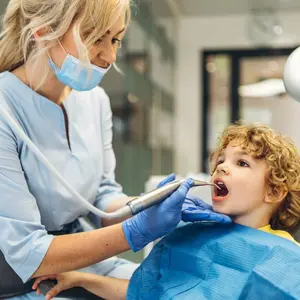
(53, 55)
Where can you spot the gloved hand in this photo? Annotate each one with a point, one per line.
(196, 210)
(168, 179)
(158, 220)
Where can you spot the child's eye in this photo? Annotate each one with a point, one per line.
(219, 162)
(243, 163)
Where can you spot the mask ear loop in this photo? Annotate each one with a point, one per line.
(61, 47)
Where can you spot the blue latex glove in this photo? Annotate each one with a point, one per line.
(170, 178)
(196, 210)
(156, 221)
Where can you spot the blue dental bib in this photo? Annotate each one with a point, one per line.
(219, 262)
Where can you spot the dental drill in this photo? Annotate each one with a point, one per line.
(133, 207)
(158, 195)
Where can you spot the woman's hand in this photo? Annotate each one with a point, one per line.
(65, 281)
(158, 220)
(196, 210)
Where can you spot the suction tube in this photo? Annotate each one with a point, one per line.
(133, 207)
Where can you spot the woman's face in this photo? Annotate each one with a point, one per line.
(102, 54)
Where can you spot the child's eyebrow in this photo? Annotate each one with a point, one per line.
(236, 153)
(245, 153)
(221, 154)
(242, 152)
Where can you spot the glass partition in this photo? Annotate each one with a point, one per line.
(143, 102)
(244, 84)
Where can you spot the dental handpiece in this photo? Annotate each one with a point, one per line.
(158, 195)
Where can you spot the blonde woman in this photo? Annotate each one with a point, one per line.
(53, 55)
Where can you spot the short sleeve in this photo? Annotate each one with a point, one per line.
(23, 239)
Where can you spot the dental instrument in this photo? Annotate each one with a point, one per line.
(133, 207)
(158, 195)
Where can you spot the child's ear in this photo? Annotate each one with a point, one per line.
(276, 194)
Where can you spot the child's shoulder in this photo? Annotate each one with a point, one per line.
(281, 233)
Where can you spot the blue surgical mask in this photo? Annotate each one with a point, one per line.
(75, 75)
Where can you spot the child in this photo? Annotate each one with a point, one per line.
(258, 172)
(262, 168)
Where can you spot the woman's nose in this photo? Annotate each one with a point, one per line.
(108, 54)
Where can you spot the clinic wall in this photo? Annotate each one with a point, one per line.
(230, 32)
(161, 70)
(3, 4)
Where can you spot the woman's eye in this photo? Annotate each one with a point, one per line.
(115, 40)
(99, 41)
(242, 163)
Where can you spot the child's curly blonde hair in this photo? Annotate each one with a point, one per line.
(283, 162)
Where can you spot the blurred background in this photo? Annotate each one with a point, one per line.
(191, 67)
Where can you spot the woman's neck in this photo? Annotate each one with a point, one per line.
(52, 89)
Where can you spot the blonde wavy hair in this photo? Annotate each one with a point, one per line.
(283, 161)
(23, 18)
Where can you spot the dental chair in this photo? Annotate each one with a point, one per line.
(11, 286)
(74, 293)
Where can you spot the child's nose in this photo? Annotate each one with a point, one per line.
(222, 168)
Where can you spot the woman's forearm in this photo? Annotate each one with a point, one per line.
(105, 287)
(79, 250)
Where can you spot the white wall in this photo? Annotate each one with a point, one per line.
(196, 34)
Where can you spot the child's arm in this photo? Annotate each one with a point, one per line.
(105, 287)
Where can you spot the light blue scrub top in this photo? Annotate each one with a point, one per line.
(32, 201)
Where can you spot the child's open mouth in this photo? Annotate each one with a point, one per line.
(222, 192)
